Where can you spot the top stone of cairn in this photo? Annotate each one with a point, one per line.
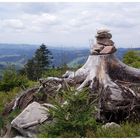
(103, 33)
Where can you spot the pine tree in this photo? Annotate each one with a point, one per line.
(30, 69)
(43, 57)
(36, 66)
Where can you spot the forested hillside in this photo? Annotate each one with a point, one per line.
(18, 54)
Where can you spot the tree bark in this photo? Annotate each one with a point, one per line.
(115, 79)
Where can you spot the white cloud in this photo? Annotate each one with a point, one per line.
(69, 23)
(39, 22)
(14, 24)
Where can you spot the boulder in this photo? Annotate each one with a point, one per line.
(104, 41)
(108, 50)
(27, 121)
(111, 125)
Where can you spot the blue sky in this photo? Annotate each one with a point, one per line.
(69, 24)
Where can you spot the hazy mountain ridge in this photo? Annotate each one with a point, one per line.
(18, 54)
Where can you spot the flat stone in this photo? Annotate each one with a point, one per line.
(105, 42)
(98, 46)
(104, 35)
(34, 114)
(108, 50)
(111, 125)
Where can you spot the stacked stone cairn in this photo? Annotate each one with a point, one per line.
(104, 44)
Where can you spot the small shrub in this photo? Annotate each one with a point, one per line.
(132, 58)
(11, 79)
(72, 119)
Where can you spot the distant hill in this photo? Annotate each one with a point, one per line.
(18, 54)
(81, 60)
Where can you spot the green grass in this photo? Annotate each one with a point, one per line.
(6, 97)
(127, 130)
(53, 73)
(58, 72)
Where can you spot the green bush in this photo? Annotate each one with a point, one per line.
(11, 79)
(72, 119)
(132, 58)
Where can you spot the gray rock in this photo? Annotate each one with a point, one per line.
(111, 125)
(28, 120)
(104, 35)
(96, 49)
(104, 41)
(108, 50)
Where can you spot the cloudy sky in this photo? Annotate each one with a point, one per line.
(69, 24)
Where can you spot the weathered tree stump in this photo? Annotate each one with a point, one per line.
(115, 82)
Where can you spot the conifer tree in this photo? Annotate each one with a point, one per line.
(41, 61)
